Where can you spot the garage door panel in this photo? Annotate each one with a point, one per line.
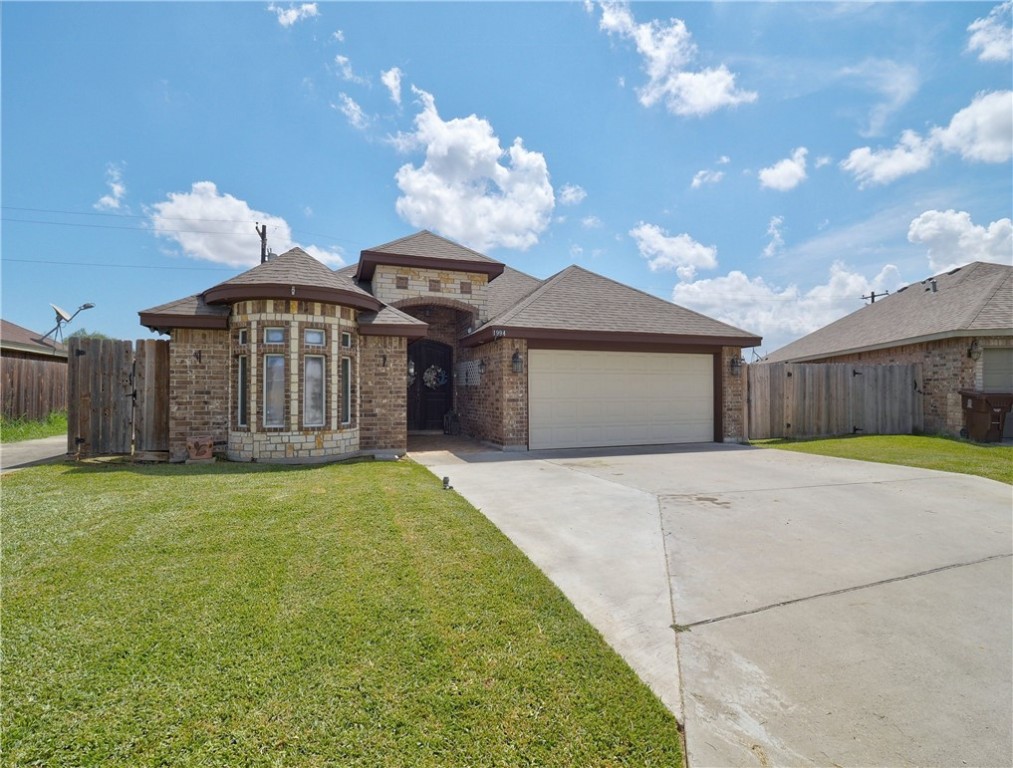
(583, 399)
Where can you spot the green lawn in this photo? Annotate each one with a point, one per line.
(991, 460)
(16, 430)
(244, 615)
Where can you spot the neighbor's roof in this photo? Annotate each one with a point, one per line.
(19, 339)
(427, 251)
(976, 299)
(576, 304)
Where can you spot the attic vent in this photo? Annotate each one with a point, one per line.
(901, 290)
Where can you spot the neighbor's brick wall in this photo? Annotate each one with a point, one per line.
(198, 388)
(383, 405)
(733, 397)
(420, 284)
(494, 406)
(946, 369)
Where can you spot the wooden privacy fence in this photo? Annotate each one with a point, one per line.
(118, 397)
(816, 399)
(33, 387)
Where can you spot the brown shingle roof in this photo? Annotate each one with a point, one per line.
(974, 299)
(508, 289)
(390, 321)
(16, 337)
(425, 249)
(577, 303)
(189, 312)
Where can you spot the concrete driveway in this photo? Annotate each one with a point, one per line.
(29, 453)
(829, 612)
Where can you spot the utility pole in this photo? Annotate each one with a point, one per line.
(262, 231)
(872, 297)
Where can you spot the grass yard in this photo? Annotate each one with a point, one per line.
(16, 430)
(992, 460)
(246, 615)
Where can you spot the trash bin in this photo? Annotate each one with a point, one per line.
(985, 414)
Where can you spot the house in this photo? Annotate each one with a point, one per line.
(957, 325)
(33, 371)
(291, 361)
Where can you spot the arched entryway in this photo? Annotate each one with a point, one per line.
(431, 388)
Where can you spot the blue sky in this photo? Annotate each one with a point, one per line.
(764, 163)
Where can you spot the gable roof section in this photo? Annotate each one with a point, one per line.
(189, 312)
(19, 339)
(971, 300)
(508, 289)
(427, 251)
(390, 321)
(578, 305)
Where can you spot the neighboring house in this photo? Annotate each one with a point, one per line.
(292, 361)
(33, 371)
(958, 326)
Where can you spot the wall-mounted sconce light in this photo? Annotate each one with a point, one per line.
(481, 367)
(384, 362)
(517, 362)
(411, 367)
(974, 351)
(736, 365)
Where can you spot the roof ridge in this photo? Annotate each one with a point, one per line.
(988, 299)
(379, 248)
(529, 298)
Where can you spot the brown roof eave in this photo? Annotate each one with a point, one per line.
(229, 294)
(40, 350)
(163, 322)
(369, 260)
(410, 331)
(606, 337)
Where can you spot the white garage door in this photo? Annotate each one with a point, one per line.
(586, 399)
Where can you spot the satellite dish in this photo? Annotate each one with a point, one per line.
(61, 314)
(63, 317)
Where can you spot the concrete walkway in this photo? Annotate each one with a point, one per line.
(31, 452)
(831, 612)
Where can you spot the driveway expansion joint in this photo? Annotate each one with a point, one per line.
(740, 614)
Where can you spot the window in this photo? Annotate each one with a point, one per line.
(346, 340)
(313, 337)
(274, 390)
(243, 393)
(274, 335)
(313, 391)
(346, 390)
(243, 334)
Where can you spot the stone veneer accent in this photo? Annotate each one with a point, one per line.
(946, 369)
(293, 442)
(385, 288)
(198, 388)
(733, 397)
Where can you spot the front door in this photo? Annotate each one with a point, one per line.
(430, 390)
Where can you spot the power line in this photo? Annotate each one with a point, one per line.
(120, 266)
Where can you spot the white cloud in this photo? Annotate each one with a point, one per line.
(724, 160)
(776, 244)
(112, 201)
(216, 227)
(992, 36)
(470, 188)
(339, 35)
(912, 154)
(392, 79)
(981, 131)
(352, 111)
(590, 222)
(823, 160)
(571, 194)
(785, 174)
(953, 239)
(575, 252)
(778, 314)
(896, 83)
(667, 50)
(289, 16)
(706, 177)
(345, 66)
(681, 252)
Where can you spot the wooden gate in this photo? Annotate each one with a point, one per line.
(816, 399)
(117, 400)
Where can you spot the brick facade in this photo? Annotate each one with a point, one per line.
(383, 377)
(733, 397)
(493, 405)
(946, 369)
(198, 388)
